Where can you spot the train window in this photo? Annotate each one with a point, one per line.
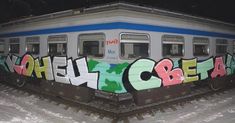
(221, 46)
(172, 45)
(32, 45)
(2, 45)
(14, 45)
(200, 46)
(134, 45)
(91, 45)
(57, 45)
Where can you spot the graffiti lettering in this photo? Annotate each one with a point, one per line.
(204, 67)
(219, 69)
(140, 77)
(28, 65)
(59, 65)
(119, 78)
(189, 68)
(169, 76)
(85, 77)
(10, 62)
(63, 72)
(230, 64)
(45, 67)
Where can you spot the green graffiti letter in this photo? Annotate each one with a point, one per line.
(229, 64)
(204, 67)
(140, 76)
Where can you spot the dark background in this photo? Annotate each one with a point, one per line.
(223, 10)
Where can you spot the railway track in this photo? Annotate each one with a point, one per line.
(122, 111)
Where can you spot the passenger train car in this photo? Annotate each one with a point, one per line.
(116, 49)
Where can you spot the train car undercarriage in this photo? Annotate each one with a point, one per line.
(115, 105)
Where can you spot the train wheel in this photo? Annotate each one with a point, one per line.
(214, 85)
(2, 74)
(2, 78)
(20, 82)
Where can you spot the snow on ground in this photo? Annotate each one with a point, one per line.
(214, 109)
(20, 107)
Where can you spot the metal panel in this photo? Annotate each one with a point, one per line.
(116, 6)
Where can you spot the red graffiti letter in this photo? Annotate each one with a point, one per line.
(219, 69)
(169, 76)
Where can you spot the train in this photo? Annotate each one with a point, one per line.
(117, 51)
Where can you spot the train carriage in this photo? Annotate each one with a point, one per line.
(117, 49)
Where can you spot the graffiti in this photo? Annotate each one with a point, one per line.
(146, 73)
(45, 67)
(141, 74)
(26, 65)
(11, 62)
(230, 65)
(85, 77)
(60, 69)
(219, 68)
(203, 68)
(169, 75)
(190, 71)
(110, 75)
(2, 63)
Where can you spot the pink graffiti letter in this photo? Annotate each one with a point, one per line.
(219, 69)
(28, 65)
(169, 76)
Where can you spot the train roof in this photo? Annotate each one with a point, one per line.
(115, 6)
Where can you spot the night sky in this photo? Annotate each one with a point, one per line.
(215, 9)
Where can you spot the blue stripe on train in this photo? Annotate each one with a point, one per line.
(118, 25)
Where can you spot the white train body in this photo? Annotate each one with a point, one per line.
(148, 22)
(119, 33)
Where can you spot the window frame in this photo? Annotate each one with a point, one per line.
(201, 43)
(136, 41)
(233, 47)
(3, 42)
(32, 40)
(221, 44)
(14, 41)
(57, 42)
(80, 44)
(174, 42)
